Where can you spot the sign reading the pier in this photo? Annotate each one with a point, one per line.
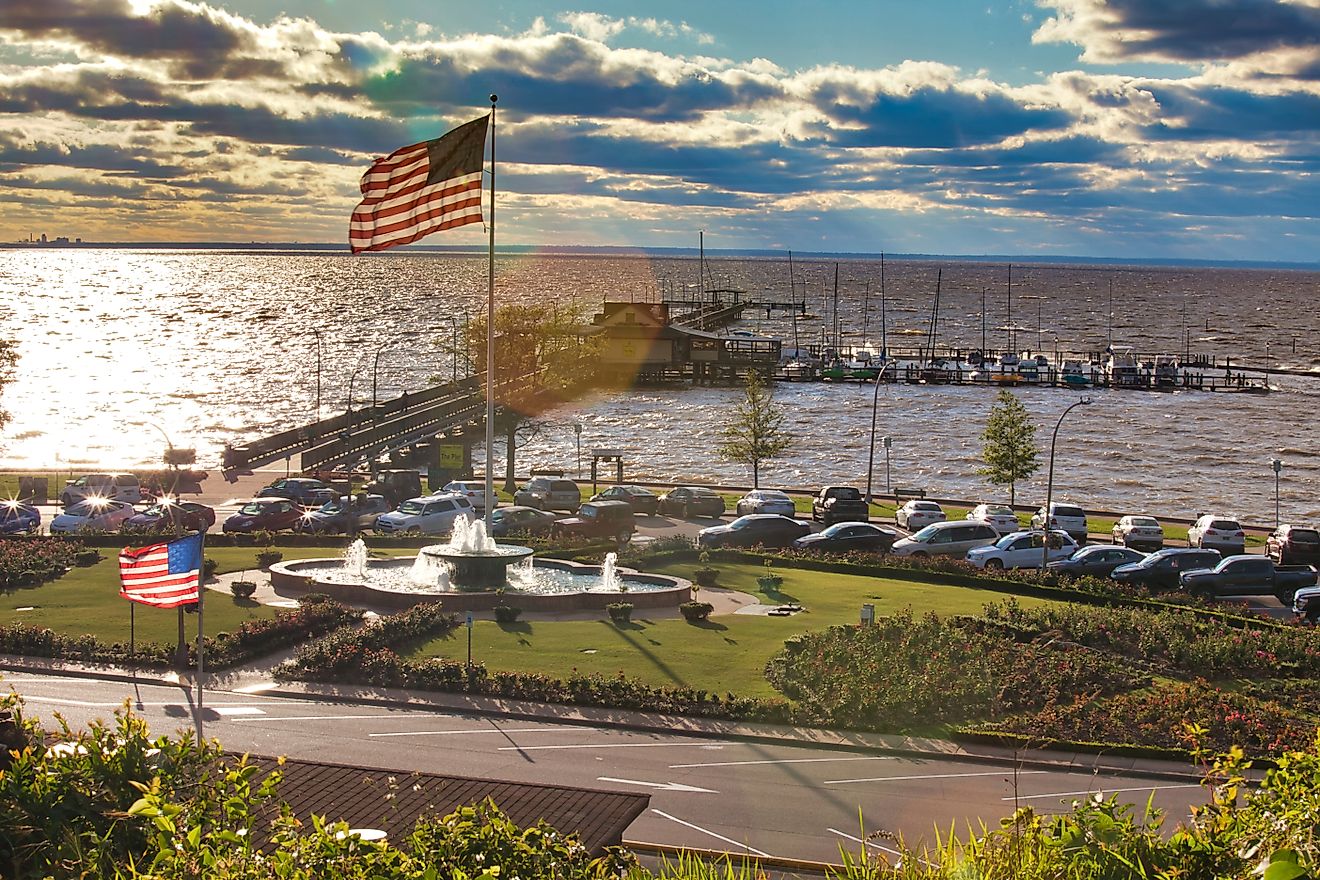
(451, 455)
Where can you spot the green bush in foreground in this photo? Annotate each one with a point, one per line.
(113, 802)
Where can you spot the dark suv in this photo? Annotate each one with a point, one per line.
(599, 519)
(837, 504)
(1161, 570)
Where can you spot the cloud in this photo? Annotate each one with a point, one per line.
(1180, 30)
(603, 28)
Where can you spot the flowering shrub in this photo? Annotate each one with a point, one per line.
(1193, 715)
(1181, 641)
(31, 561)
(342, 650)
(902, 672)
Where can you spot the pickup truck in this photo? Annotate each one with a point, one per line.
(1249, 576)
(836, 504)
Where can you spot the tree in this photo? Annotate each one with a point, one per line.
(8, 360)
(1010, 452)
(756, 431)
(538, 340)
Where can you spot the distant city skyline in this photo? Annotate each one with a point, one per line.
(1088, 128)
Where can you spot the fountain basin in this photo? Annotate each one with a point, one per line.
(484, 569)
(387, 584)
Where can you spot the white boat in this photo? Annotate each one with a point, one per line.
(1120, 367)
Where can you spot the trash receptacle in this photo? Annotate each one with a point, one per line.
(34, 490)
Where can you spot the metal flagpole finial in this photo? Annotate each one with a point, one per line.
(494, 98)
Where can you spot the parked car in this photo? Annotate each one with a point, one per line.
(1067, 517)
(519, 520)
(840, 504)
(1139, 533)
(1022, 550)
(643, 501)
(189, 516)
(471, 490)
(690, 501)
(92, 515)
(1306, 604)
(599, 519)
(117, 487)
(17, 518)
(849, 536)
(1161, 569)
(268, 514)
(395, 485)
(335, 517)
(946, 539)
(428, 515)
(1218, 532)
(1098, 560)
(306, 491)
(1293, 545)
(1245, 575)
(915, 515)
(753, 530)
(766, 501)
(549, 493)
(999, 517)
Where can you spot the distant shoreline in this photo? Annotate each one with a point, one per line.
(617, 252)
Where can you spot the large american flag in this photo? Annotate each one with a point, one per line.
(162, 575)
(421, 189)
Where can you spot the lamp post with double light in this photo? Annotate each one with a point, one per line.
(1276, 465)
(1047, 524)
(870, 458)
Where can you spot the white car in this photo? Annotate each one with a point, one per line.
(473, 491)
(1212, 532)
(999, 517)
(429, 515)
(766, 501)
(92, 515)
(1069, 517)
(1139, 533)
(119, 487)
(1022, 550)
(916, 515)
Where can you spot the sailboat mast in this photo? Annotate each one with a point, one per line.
(884, 317)
(701, 265)
(792, 303)
(836, 309)
(1011, 341)
(866, 312)
(983, 351)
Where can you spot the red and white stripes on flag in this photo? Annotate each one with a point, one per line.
(421, 189)
(162, 575)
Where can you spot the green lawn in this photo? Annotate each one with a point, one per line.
(726, 654)
(87, 600)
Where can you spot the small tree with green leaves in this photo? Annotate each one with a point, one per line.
(1010, 452)
(756, 430)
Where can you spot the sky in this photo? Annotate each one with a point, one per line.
(1182, 129)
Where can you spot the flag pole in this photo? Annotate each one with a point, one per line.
(489, 504)
(201, 645)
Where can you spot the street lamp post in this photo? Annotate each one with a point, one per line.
(1276, 465)
(870, 458)
(375, 366)
(577, 430)
(1049, 486)
(317, 334)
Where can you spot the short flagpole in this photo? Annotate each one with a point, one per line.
(490, 336)
(132, 636)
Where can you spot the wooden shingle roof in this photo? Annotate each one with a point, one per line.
(393, 800)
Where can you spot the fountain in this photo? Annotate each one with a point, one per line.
(472, 558)
(471, 572)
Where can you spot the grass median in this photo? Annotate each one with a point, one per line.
(724, 654)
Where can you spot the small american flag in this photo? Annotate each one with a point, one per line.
(421, 189)
(162, 575)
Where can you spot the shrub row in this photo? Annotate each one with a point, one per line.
(317, 616)
(340, 650)
(28, 561)
(902, 672)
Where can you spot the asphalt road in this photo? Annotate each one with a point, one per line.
(738, 796)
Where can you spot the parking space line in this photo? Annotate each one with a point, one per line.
(870, 843)
(238, 710)
(1004, 773)
(781, 761)
(329, 717)
(485, 731)
(1103, 791)
(704, 745)
(729, 840)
